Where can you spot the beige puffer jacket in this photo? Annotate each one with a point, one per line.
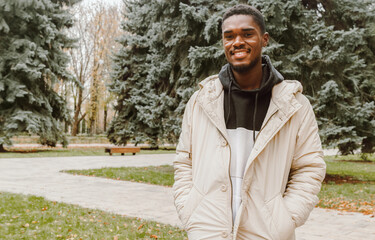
(283, 174)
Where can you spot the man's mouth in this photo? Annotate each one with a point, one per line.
(240, 52)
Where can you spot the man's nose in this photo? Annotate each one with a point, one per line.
(238, 41)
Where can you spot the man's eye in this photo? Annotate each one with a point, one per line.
(229, 37)
(247, 34)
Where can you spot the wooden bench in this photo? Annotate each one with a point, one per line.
(122, 150)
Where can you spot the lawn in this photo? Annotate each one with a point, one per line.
(30, 217)
(69, 152)
(349, 184)
(158, 175)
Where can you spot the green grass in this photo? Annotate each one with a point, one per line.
(80, 138)
(158, 175)
(358, 197)
(348, 197)
(69, 152)
(361, 171)
(359, 192)
(355, 157)
(30, 217)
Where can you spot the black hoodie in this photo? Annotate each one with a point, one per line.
(241, 107)
(244, 112)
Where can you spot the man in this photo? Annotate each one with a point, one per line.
(249, 161)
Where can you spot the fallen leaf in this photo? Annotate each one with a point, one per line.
(154, 236)
(140, 226)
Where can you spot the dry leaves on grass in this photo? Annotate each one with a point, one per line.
(140, 226)
(365, 207)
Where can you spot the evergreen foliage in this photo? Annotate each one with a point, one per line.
(32, 60)
(169, 46)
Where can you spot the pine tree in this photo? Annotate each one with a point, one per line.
(169, 46)
(153, 77)
(342, 73)
(32, 60)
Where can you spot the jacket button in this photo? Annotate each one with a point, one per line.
(224, 234)
(224, 143)
(223, 188)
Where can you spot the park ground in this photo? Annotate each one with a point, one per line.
(84, 207)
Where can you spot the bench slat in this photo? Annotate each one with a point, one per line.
(122, 150)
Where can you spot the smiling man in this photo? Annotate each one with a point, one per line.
(249, 162)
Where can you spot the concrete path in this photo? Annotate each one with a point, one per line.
(42, 177)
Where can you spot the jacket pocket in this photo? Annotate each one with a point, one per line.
(281, 219)
(192, 201)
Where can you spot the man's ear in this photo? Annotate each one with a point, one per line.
(265, 39)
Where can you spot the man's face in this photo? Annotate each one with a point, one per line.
(243, 41)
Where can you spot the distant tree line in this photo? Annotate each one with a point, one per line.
(55, 62)
(50, 60)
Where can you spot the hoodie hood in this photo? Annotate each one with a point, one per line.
(270, 78)
(248, 108)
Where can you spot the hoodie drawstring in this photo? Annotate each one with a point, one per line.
(229, 108)
(229, 97)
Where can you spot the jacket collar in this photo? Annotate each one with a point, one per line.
(282, 107)
(283, 99)
(211, 100)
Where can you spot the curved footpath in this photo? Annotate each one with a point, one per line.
(42, 177)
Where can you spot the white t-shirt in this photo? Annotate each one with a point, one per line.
(241, 142)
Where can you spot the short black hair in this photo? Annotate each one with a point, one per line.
(242, 9)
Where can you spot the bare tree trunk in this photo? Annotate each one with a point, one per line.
(94, 91)
(2, 149)
(77, 110)
(66, 126)
(105, 118)
(368, 145)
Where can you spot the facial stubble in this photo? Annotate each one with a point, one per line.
(245, 68)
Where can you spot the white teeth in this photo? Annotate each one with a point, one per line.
(240, 53)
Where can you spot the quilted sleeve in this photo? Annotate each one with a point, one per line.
(308, 167)
(183, 162)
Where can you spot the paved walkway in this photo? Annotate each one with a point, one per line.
(42, 177)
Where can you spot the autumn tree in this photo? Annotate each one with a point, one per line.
(80, 64)
(96, 28)
(32, 61)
